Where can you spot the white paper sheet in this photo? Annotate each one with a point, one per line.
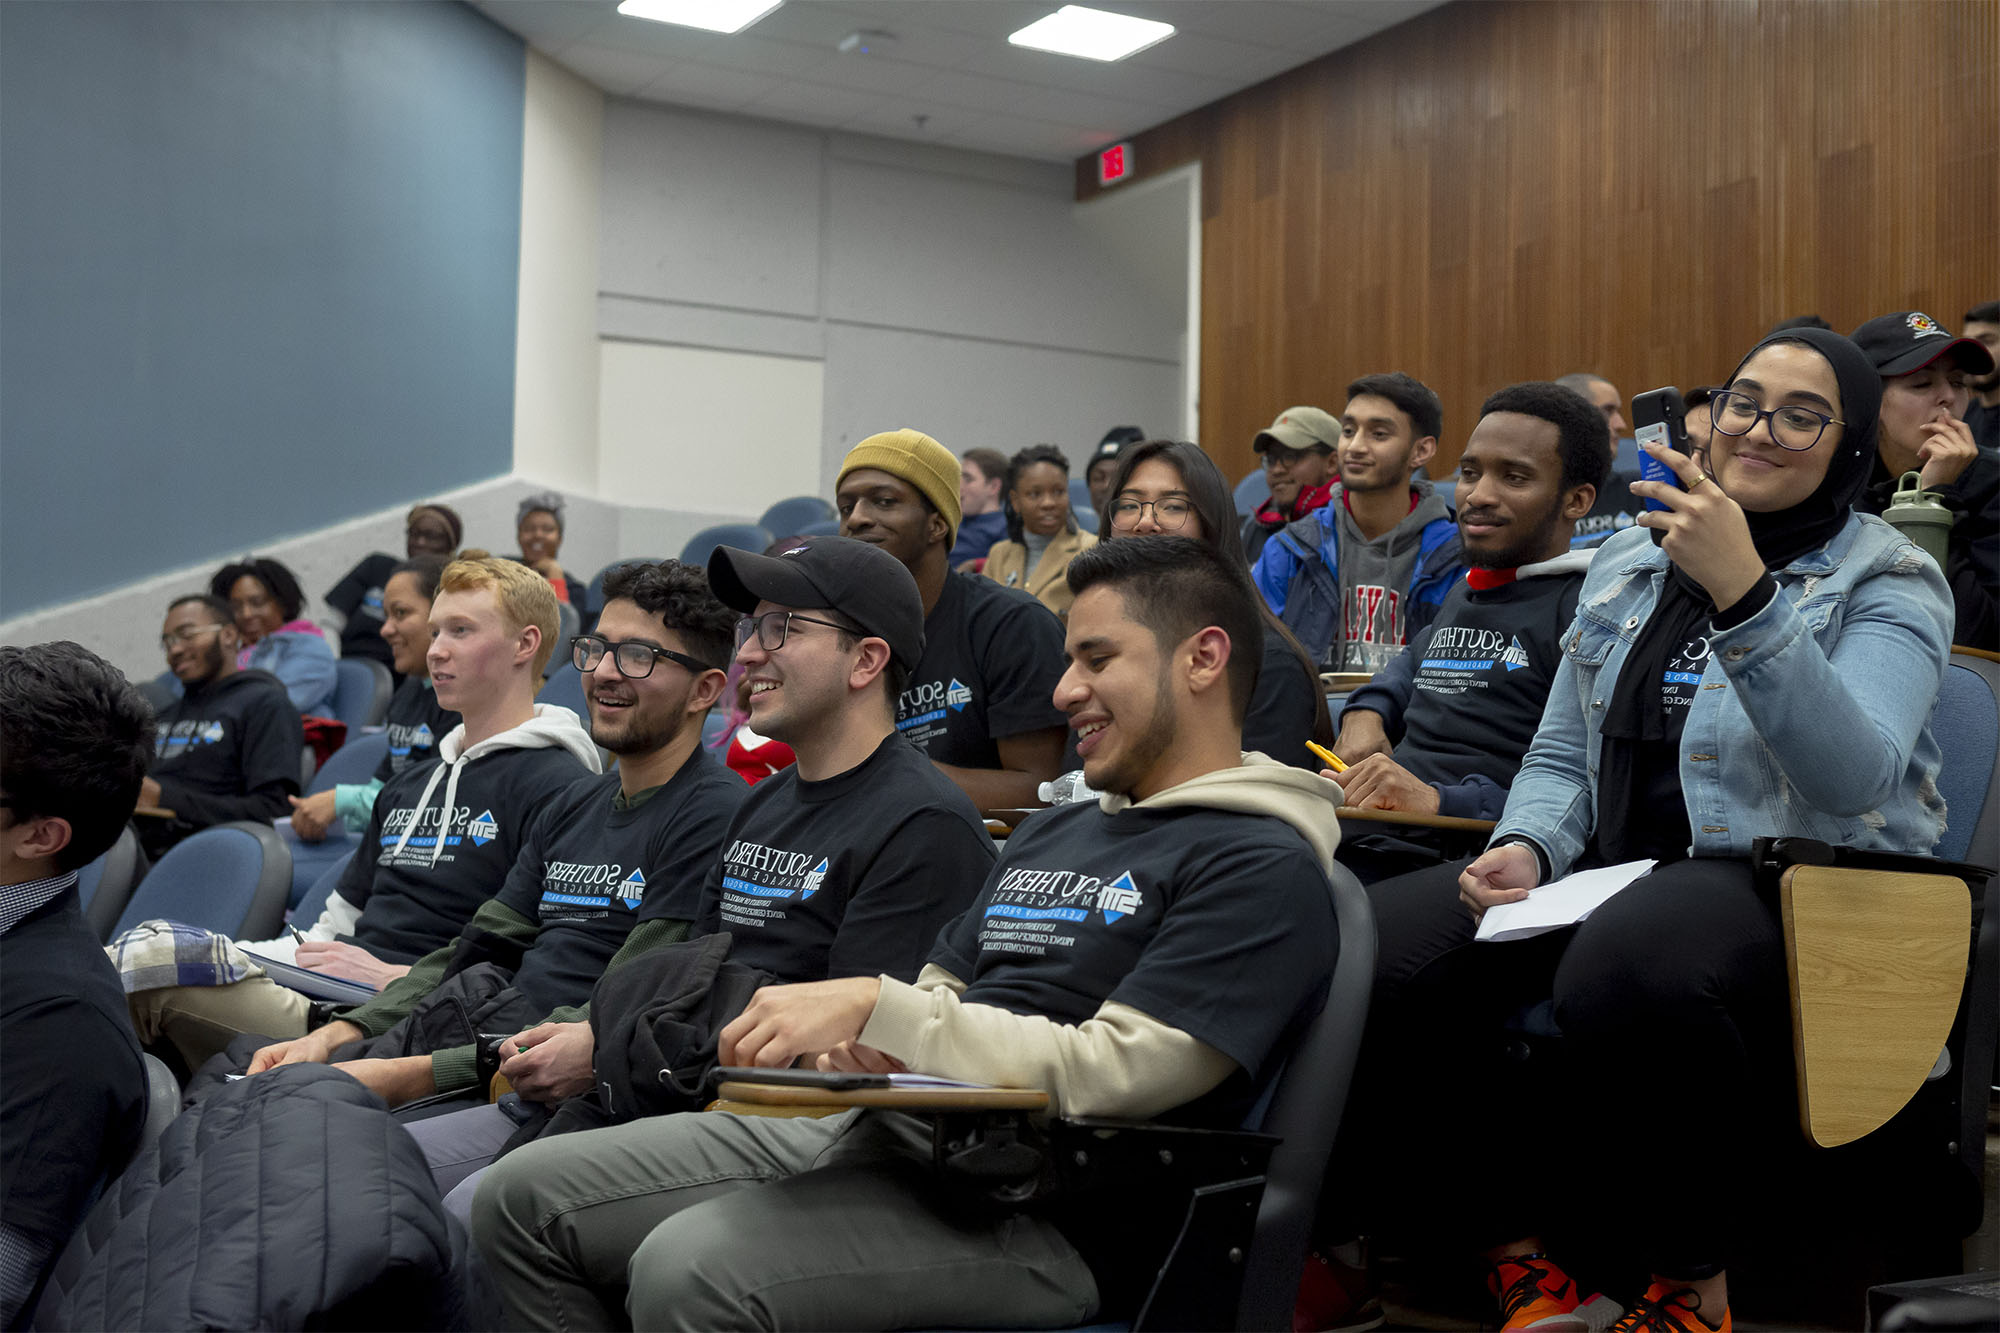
(1559, 903)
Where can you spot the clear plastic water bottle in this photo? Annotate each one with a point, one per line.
(1067, 789)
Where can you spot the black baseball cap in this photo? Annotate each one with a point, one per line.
(861, 582)
(1910, 340)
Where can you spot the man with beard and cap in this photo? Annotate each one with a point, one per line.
(1767, 669)
(1982, 409)
(1138, 956)
(1296, 452)
(1458, 708)
(1925, 372)
(977, 702)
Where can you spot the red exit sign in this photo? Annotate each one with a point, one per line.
(1114, 164)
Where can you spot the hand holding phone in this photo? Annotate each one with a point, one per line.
(1659, 417)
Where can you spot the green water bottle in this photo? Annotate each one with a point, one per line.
(1919, 515)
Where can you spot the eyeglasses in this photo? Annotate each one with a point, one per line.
(1277, 455)
(772, 627)
(169, 642)
(634, 659)
(1171, 514)
(1796, 429)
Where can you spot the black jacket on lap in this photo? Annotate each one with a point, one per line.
(289, 1200)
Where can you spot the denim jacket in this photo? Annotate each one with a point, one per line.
(303, 661)
(1813, 716)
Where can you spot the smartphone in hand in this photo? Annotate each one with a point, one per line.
(1659, 417)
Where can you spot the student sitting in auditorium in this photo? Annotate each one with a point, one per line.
(538, 527)
(1042, 536)
(847, 864)
(1769, 669)
(1615, 508)
(1103, 465)
(416, 720)
(1355, 579)
(978, 702)
(433, 530)
(981, 475)
(1982, 407)
(1924, 371)
(1141, 957)
(229, 747)
(1296, 453)
(73, 744)
(439, 841)
(1172, 487)
(612, 866)
(1458, 707)
(266, 602)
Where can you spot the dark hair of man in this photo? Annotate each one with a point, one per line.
(1415, 399)
(1799, 322)
(217, 608)
(1986, 312)
(426, 570)
(75, 738)
(1176, 587)
(277, 581)
(990, 462)
(1213, 503)
(680, 596)
(1019, 463)
(1578, 422)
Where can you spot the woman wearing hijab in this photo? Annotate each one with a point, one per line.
(1767, 668)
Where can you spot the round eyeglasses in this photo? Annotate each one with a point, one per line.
(1170, 514)
(634, 659)
(169, 642)
(1795, 429)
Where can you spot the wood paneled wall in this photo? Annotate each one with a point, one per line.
(1501, 190)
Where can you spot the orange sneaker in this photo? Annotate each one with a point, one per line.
(1533, 1293)
(1666, 1308)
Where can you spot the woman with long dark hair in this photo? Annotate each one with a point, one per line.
(1171, 486)
(1042, 535)
(1767, 668)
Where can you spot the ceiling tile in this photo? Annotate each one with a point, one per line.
(792, 98)
(897, 118)
(615, 71)
(548, 21)
(705, 85)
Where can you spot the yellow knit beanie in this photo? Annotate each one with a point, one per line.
(914, 457)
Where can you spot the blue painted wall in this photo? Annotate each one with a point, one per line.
(257, 274)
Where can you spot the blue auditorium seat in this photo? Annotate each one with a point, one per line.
(361, 690)
(231, 879)
(742, 536)
(789, 518)
(105, 885)
(1251, 492)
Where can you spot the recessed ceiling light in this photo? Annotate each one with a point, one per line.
(713, 15)
(1091, 33)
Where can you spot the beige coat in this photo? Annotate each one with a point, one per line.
(1006, 564)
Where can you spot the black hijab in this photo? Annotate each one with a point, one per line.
(1637, 712)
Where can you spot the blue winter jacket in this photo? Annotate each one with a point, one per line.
(1299, 575)
(1813, 716)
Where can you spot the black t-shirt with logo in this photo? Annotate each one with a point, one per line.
(1215, 923)
(992, 657)
(594, 865)
(418, 898)
(1483, 677)
(227, 749)
(853, 875)
(359, 598)
(417, 722)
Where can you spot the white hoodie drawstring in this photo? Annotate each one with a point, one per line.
(423, 802)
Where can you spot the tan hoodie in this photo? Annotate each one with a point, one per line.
(1119, 1062)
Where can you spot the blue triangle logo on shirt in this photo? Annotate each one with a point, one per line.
(814, 878)
(483, 829)
(632, 890)
(957, 695)
(1120, 898)
(1516, 656)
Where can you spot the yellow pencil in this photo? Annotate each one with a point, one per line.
(1332, 759)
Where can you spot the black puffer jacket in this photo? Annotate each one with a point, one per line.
(289, 1200)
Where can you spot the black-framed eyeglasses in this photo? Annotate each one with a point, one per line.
(772, 627)
(1171, 514)
(635, 659)
(169, 642)
(1795, 429)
